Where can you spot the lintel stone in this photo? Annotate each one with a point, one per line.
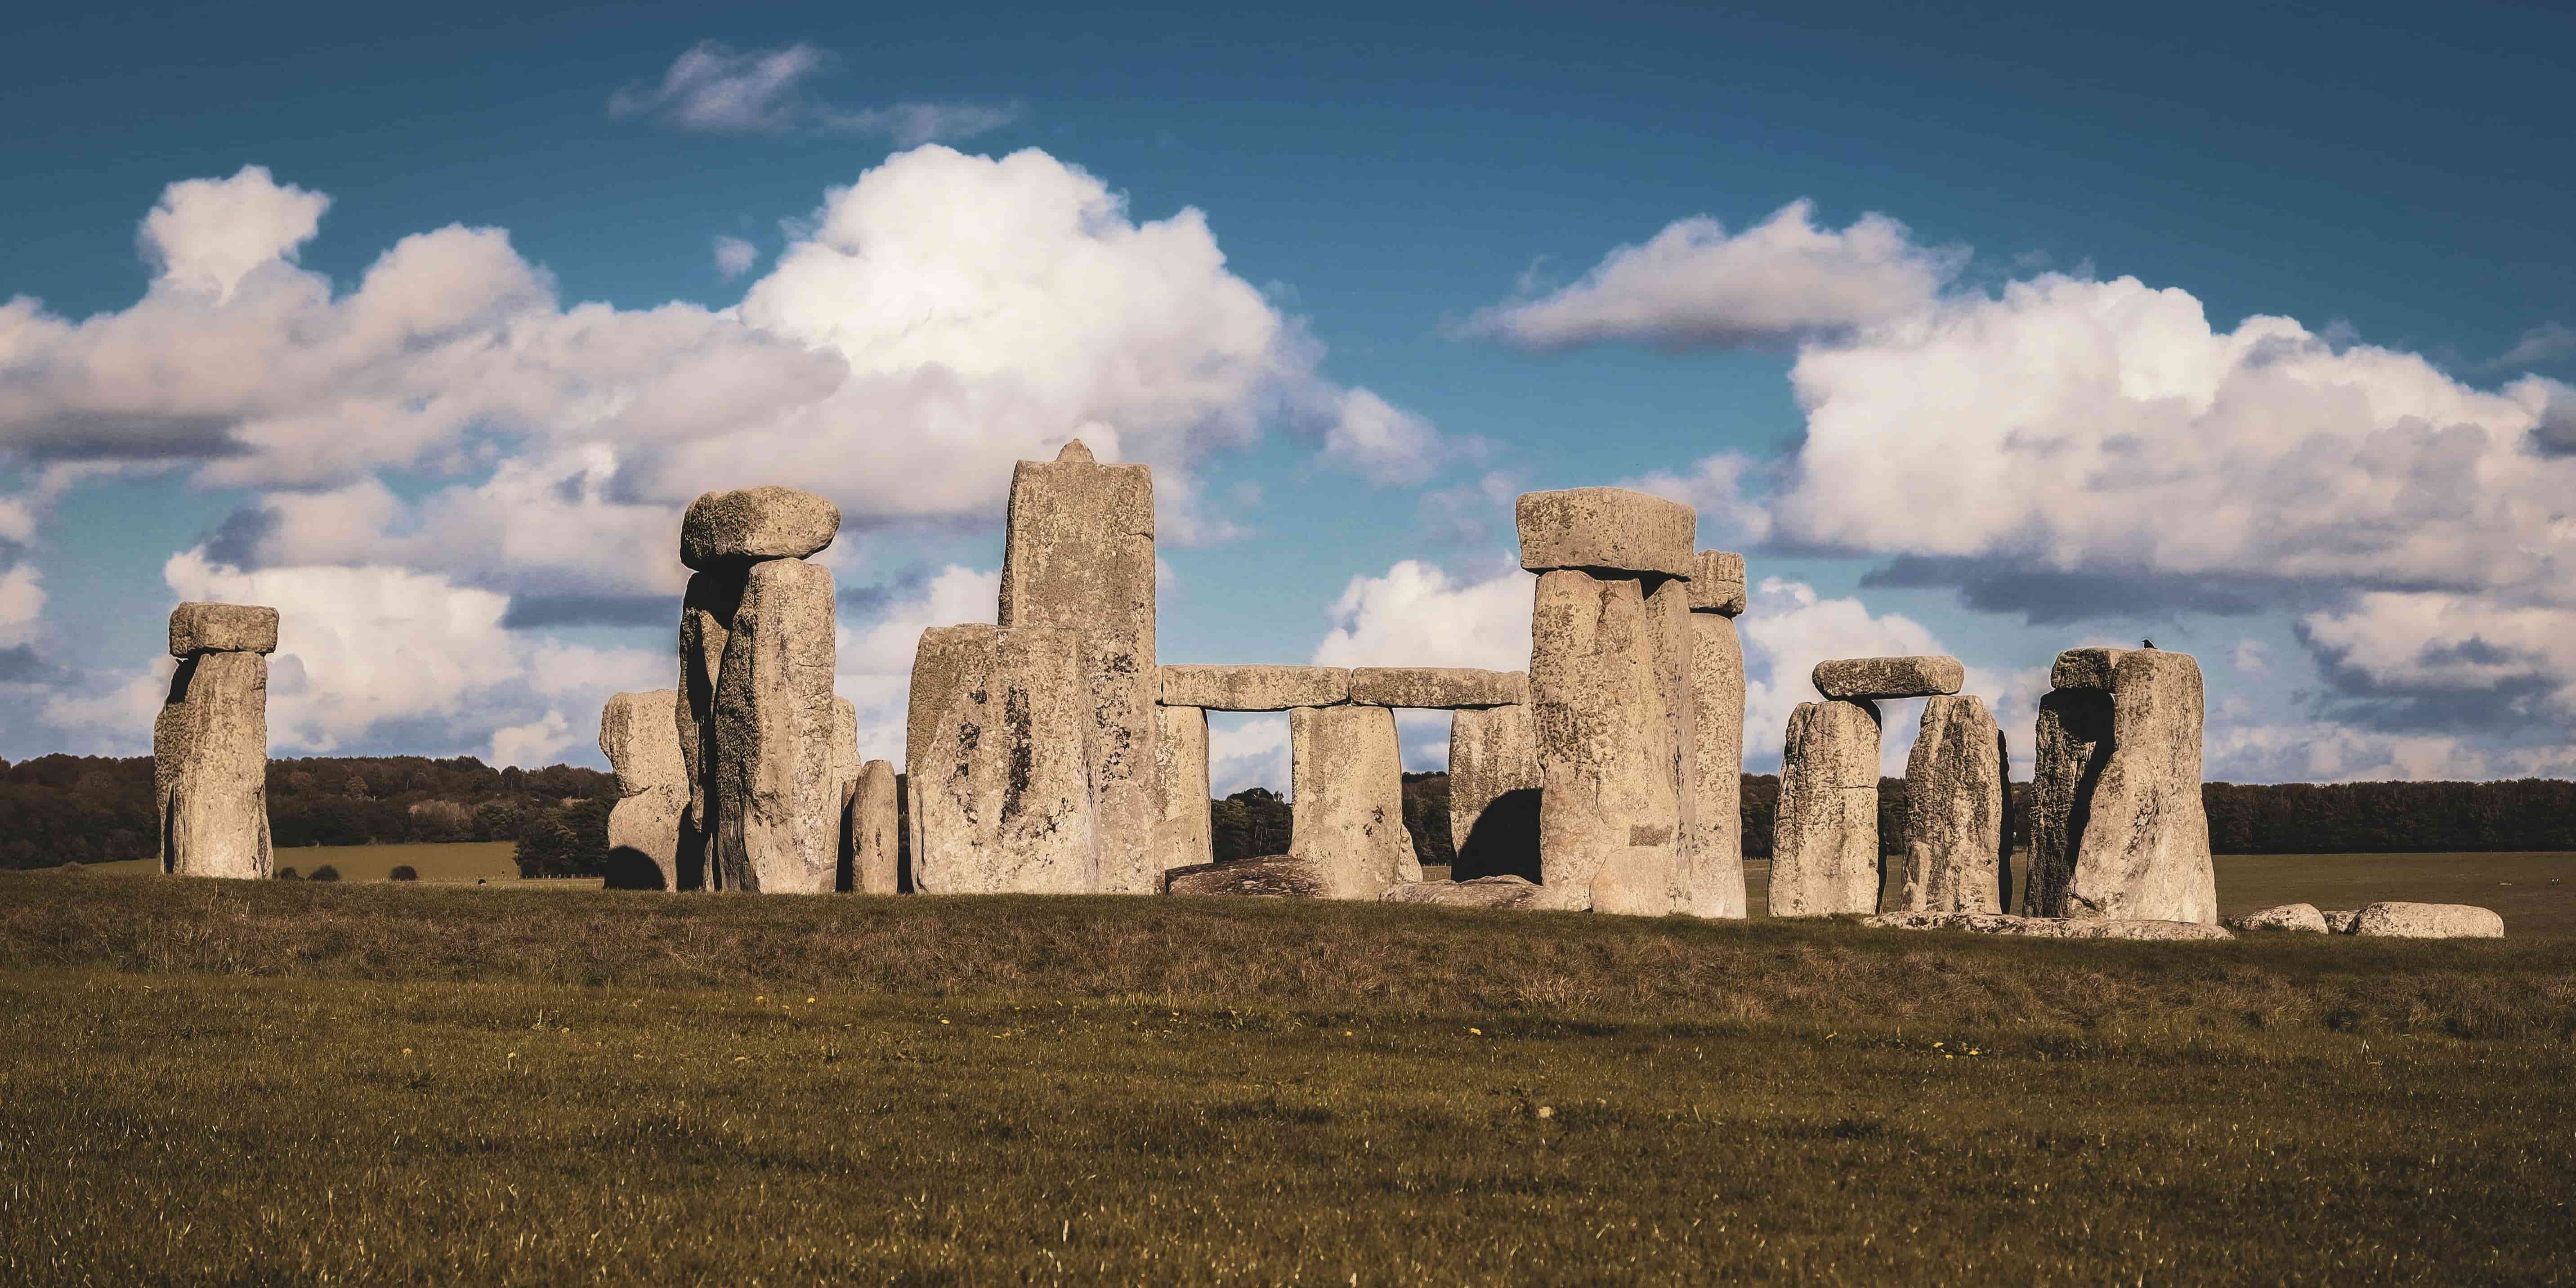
(1440, 687)
(755, 524)
(1605, 528)
(1878, 678)
(2085, 668)
(1254, 688)
(222, 628)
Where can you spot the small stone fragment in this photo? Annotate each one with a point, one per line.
(1605, 529)
(1276, 876)
(727, 529)
(1346, 777)
(1717, 582)
(1454, 688)
(1254, 688)
(1824, 846)
(1483, 892)
(1995, 923)
(1877, 679)
(2288, 916)
(2429, 921)
(222, 628)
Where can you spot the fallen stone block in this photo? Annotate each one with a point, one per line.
(2288, 916)
(1997, 923)
(2341, 921)
(1717, 582)
(1454, 688)
(1483, 892)
(1605, 529)
(732, 528)
(222, 628)
(1277, 876)
(1879, 678)
(2429, 921)
(1253, 688)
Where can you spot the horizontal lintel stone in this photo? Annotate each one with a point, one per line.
(1889, 677)
(1254, 688)
(1605, 528)
(222, 628)
(756, 524)
(1449, 687)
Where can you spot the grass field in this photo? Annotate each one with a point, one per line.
(253, 1082)
(466, 861)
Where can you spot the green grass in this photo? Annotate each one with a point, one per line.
(255, 1082)
(465, 861)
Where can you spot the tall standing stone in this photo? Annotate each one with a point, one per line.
(846, 763)
(944, 664)
(1716, 849)
(1494, 788)
(706, 618)
(1001, 765)
(1668, 610)
(1956, 858)
(1346, 778)
(778, 803)
(2070, 747)
(1079, 556)
(1187, 836)
(638, 734)
(210, 743)
(873, 841)
(2143, 852)
(1824, 842)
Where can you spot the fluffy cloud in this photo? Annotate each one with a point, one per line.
(714, 89)
(206, 235)
(875, 667)
(734, 257)
(1695, 284)
(1419, 615)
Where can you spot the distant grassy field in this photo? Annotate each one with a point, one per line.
(256, 1082)
(464, 861)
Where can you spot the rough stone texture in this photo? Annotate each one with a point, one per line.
(845, 783)
(1254, 688)
(1456, 688)
(1493, 793)
(2143, 851)
(210, 767)
(1717, 766)
(1824, 839)
(1610, 811)
(873, 843)
(1717, 582)
(1277, 876)
(1995, 923)
(2341, 921)
(1956, 855)
(2288, 916)
(638, 734)
(728, 529)
(1483, 892)
(2429, 921)
(1346, 781)
(1079, 556)
(2070, 748)
(222, 628)
(706, 619)
(1879, 678)
(1000, 780)
(2085, 668)
(777, 793)
(1676, 645)
(1605, 529)
(1187, 836)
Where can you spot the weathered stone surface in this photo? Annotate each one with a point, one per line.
(2070, 748)
(1187, 837)
(1493, 793)
(210, 767)
(1716, 851)
(706, 619)
(777, 788)
(1276, 876)
(2085, 668)
(1824, 838)
(1879, 678)
(644, 841)
(1956, 856)
(1610, 812)
(2429, 921)
(873, 843)
(1254, 688)
(944, 664)
(2288, 916)
(728, 529)
(1000, 780)
(2144, 849)
(638, 734)
(222, 628)
(1079, 556)
(1605, 529)
(1995, 923)
(2341, 921)
(1456, 688)
(845, 779)
(1676, 645)
(1717, 582)
(1483, 892)
(1346, 779)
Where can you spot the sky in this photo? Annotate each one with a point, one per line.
(2249, 329)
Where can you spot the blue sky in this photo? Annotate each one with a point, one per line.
(1944, 321)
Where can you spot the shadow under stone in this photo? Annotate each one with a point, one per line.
(1504, 840)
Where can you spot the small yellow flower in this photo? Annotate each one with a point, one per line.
(1478, 1032)
(1346, 1033)
(406, 1050)
(512, 1056)
(1546, 1111)
(762, 998)
(1947, 1056)
(809, 1001)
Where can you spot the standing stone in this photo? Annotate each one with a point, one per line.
(1493, 793)
(777, 794)
(845, 779)
(873, 840)
(1187, 836)
(706, 619)
(1610, 799)
(1080, 557)
(638, 734)
(1676, 644)
(210, 743)
(2143, 851)
(2070, 747)
(1956, 859)
(1346, 779)
(1716, 847)
(1824, 846)
(1001, 768)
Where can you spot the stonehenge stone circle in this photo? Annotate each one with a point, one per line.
(778, 771)
(641, 741)
(1493, 793)
(1079, 557)
(1878, 679)
(1716, 842)
(1824, 839)
(1453, 688)
(1610, 795)
(1000, 779)
(210, 743)
(1254, 688)
(2141, 844)
(1187, 837)
(2288, 916)
(1995, 923)
(1481, 892)
(1605, 529)
(1346, 777)
(2429, 921)
(1957, 855)
(873, 841)
(725, 529)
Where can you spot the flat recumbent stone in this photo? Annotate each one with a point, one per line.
(756, 523)
(1605, 528)
(1879, 678)
(222, 628)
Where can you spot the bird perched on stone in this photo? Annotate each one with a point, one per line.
(2147, 643)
